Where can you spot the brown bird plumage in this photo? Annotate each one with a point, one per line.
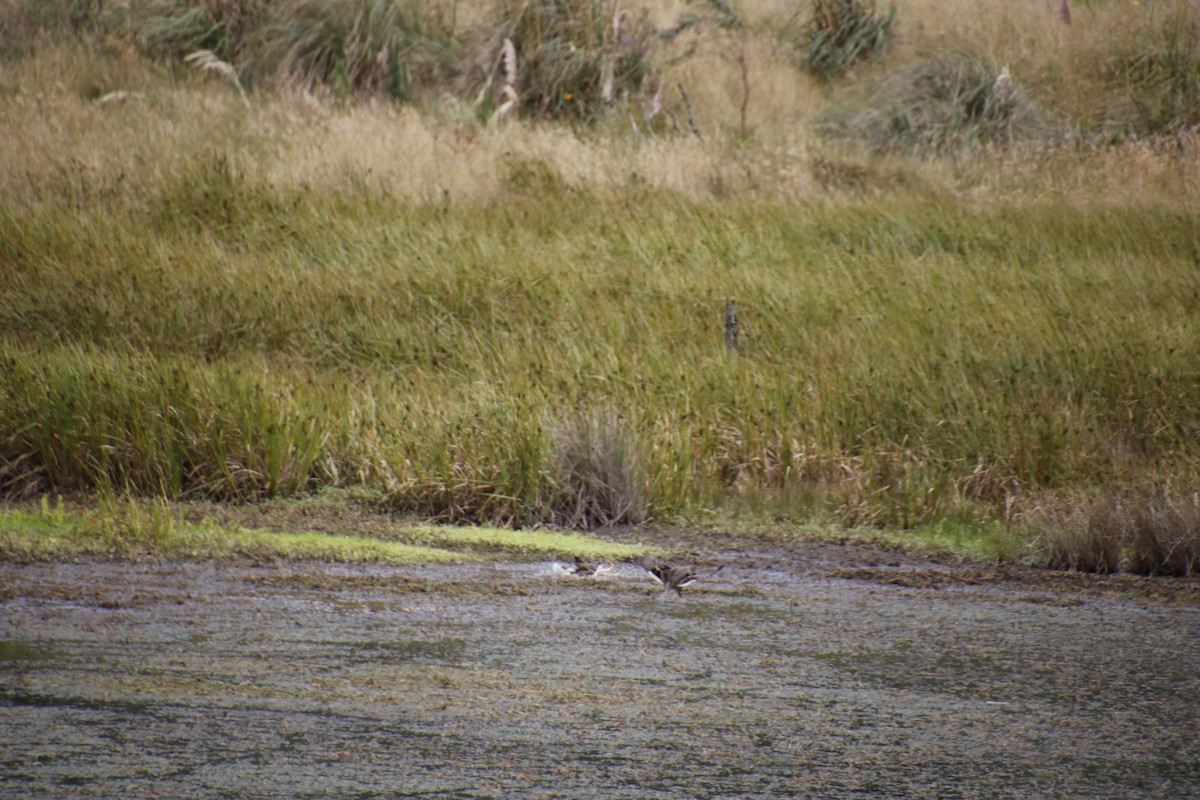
(673, 579)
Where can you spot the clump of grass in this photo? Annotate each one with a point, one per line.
(945, 103)
(1146, 534)
(465, 496)
(382, 48)
(178, 28)
(598, 472)
(841, 33)
(475, 465)
(1165, 535)
(1160, 63)
(1087, 540)
(728, 21)
(571, 59)
(581, 471)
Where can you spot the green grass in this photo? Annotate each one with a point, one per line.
(900, 362)
(131, 529)
(232, 298)
(561, 543)
(990, 541)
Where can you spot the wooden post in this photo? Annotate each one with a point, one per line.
(731, 327)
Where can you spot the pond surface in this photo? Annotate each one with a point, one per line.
(769, 679)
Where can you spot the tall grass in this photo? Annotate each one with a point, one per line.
(1161, 64)
(575, 58)
(382, 48)
(525, 323)
(945, 103)
(1149, 533)
(841, 33)
(898, 362)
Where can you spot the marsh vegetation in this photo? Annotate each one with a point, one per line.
(262, 250)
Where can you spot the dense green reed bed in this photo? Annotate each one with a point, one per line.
(558, 355)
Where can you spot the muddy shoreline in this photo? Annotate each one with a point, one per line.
(819, 671)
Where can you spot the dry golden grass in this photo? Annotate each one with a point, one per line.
(60, 137)
(1147, 532)
(1067, 66)
(103, 120)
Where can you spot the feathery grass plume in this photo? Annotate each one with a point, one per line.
(510, 67)
(656, 102)
(507, 67)
(208, 61)
(119, 96)
(942, 104)
(618, 24)
(1002, 89)
(511, 101)
(508, 62)
(606, 84)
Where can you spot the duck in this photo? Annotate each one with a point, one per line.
(581, 569)
(673, 579)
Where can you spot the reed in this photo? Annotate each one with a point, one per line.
(525, 323)
(1148, 532)
(897, 362)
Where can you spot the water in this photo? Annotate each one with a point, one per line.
(198, 680)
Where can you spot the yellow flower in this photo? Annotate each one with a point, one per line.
(568, 96)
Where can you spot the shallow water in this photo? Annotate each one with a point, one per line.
(507, 680)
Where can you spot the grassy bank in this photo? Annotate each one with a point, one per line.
(233, 294)
(131, 529)
(897, 362)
